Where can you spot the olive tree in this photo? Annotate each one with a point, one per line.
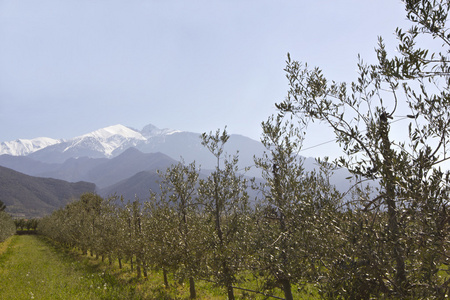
(7, 226)
(90, 208)
(179, 190)
(291, 235)
(225, 200)
(413, 196)
(135, 236)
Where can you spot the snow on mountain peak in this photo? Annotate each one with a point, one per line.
(108, 132)
(151, 131)
(26, 146)
(107, 140)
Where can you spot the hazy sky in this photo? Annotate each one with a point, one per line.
(73, 66)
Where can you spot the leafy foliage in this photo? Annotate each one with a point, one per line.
(291, 238)
(7, 226)
(179, 200)
(224, 197)
(413, 199)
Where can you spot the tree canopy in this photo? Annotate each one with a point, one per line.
(412, 85)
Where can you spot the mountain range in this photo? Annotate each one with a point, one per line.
(122, 160)
(109, 142)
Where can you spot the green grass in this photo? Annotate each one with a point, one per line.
(4, 245)
(32, 269)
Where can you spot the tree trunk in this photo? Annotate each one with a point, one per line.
(230, 292)
(287, 289)
(120, 263)
(192, 291)
(226, 271)
(138, 267)
(144, 268)
(285, 282)
(166, 281)
(217, 211)
(131, 263)
(228, 280)
(394, 233)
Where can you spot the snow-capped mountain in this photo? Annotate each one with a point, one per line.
(107, 140)
(22, 147)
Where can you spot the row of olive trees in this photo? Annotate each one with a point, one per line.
(7, 227)
(26, 224)
(206, 228)
(300, 231)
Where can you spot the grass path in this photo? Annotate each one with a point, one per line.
(32, 269)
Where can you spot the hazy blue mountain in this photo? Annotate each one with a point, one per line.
(105, 172)
(187, 145)
(137, 186)
(26, 164)
(126, 165)
(74, 169)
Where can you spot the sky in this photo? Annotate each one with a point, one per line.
(70, 67)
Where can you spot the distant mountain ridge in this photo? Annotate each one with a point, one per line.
(111, 141)
(101, 171)
(104, 142)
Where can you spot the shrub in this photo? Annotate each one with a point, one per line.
(7, 226)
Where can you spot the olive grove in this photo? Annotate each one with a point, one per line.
(389, 239)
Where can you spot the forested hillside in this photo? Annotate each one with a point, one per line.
(28, 196)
